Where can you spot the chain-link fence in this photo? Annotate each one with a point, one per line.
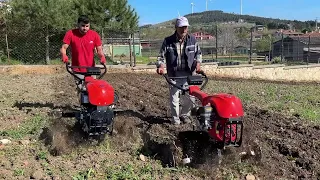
(251, 45)
(30, 46)
(224, 44)
(121, 47)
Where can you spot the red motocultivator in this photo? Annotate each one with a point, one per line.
(220, 115)
(97, 100)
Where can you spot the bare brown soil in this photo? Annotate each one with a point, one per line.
(284, 147)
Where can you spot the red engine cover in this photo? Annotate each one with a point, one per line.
(100, 92)
(227, 105)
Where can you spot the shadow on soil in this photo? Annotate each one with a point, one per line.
(26, 105)
(148, 119)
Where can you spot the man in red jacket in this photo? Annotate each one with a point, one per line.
(83, 42)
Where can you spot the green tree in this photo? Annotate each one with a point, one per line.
(111, 14)
(264, 44)
(4, 12)
(42, 15)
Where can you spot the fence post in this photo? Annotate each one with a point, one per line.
(112, 52)
(232, 48)
(47, 47)
(270, 48)
(298, 49)
(134, 51)
(281, 46)
(130, 50)
(250, 55)
(7, 43)
(216, 41)
(308, 50)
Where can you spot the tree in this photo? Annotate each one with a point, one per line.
(264, 44)
(42, 15)
(5, 10)
(111, 14)
(227, 38)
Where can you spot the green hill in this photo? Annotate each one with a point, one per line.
(212, 17)
(232, 30)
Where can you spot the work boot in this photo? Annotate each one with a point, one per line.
(186, 119)
(176, 121)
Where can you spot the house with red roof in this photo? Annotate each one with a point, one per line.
(203, 36)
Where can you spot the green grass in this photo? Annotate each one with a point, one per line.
(29, 127)
(10, 62)
(298, 100)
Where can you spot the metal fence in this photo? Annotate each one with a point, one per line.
(29, 46)
(39, 46)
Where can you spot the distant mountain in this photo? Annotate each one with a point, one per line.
(212, 17)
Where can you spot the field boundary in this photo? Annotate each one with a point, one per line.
(299, 73)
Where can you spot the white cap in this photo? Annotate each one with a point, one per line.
(182, 21)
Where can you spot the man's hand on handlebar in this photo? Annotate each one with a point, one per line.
(102, 60)
(65, 58)
(160, 69)
(198, 67)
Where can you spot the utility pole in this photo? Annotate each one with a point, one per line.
(240, 7)
(216, 41)
(207, 4)
(250, 55)
(192, 4)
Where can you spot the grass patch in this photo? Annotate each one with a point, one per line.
(10, 62)
(18, 172)
(83, 175)
(238, 171)
(29, 127)
(297, 100)
(146, 171)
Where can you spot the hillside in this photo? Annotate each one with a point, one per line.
(211, 17)
(206, 21)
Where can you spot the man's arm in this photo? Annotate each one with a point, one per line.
(63, 49)
(63, 52)
(98, 44)
(161, 55)
(198, 57)
(198, 53)
(101, 54)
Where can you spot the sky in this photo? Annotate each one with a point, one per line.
(156, 11)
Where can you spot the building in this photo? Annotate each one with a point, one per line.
(241, 50)
(121, 47)
(287, 33)
(259, 28)
(297, 48)
(202, 35)
(256, 36)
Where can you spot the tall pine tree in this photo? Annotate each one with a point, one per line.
(108, 14)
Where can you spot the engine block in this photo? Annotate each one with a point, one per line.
(97, 120)
(205, 116)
